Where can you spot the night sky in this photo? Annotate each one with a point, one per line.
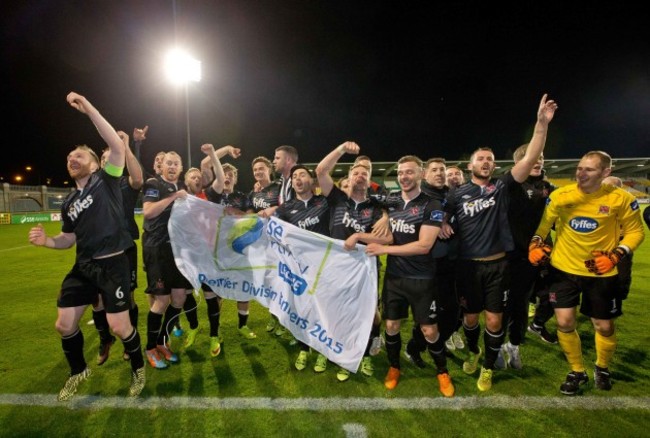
(396, 77)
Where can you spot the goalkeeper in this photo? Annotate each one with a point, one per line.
(589, 218)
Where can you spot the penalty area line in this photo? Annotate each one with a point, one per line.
(94, 402)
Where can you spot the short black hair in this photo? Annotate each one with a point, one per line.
(301, 166)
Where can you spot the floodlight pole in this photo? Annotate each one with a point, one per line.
(182, 68)
(187, 121)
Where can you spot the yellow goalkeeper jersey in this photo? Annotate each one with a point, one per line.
(587, 222)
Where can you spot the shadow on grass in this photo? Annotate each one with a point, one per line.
(196, 384)
(226, 382)
(626, 373)
(263, 380)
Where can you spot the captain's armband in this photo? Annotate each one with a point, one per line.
(113, 170)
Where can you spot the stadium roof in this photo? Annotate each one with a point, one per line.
(638, 167)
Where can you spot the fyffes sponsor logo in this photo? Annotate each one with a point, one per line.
(350, 222)
(400, 226)
(78, 206)
(474, 207)
(260, 203)
(583, 224)
(244, 233)
(308, 222)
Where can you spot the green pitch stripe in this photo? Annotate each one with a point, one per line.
(329, 404)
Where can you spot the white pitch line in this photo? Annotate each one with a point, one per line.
(17, 247)
(355, 430)
(93, 402)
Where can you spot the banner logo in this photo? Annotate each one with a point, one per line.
(297, 283)
(244, 232)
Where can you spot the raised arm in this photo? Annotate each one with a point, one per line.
(106, 131)
(324, 168)
(139, 135)
(136, 176)
(207, 174)
(545, 114)
(228, 150)
(220, 177)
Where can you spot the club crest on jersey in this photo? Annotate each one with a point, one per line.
(415, 211)
(365, 212)
(489, 189)
(603, 209)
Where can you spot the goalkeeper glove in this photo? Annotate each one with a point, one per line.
(604, 261)
(538, 251)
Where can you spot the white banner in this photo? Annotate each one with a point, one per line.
(326, 296)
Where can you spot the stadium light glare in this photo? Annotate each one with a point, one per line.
(181, 69)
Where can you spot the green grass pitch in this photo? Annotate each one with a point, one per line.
(252, 389)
